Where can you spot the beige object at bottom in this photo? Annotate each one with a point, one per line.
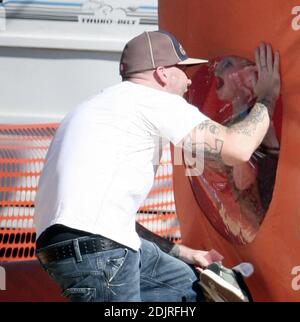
(221, 284)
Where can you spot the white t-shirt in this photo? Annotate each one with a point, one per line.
(101, 163)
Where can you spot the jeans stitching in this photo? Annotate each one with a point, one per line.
(153, 273)
(110, 280)
(156, 282)
(80, 290)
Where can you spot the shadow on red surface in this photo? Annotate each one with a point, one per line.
(27, 282)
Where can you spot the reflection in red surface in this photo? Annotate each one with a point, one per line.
(234, 199)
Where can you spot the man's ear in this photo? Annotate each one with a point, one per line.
(161, 75)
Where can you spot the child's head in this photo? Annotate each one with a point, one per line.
(236, 77)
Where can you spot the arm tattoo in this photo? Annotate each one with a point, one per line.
(212, 127)
(248, 125)
(211, 151)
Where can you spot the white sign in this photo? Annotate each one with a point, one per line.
(76, 24)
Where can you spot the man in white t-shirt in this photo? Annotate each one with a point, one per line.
(101, 165)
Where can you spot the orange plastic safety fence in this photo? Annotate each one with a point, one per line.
(158, 212)
(22, 153)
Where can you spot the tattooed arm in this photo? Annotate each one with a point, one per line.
(188, 255)
(235, 144)
(232, 144)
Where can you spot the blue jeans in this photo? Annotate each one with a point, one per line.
(124, 275)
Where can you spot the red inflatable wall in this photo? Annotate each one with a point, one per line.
(211, 28)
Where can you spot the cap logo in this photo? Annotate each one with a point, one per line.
(182, 50)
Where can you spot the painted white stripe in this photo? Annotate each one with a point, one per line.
(151, 50)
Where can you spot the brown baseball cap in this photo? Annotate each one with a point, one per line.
(152, 49)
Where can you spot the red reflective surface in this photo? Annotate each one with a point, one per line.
(235, 199)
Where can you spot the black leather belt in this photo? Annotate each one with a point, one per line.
(86, 246)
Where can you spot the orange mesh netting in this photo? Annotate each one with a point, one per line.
(22, 152)
(158, 213)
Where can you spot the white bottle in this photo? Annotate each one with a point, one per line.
(245, 268)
